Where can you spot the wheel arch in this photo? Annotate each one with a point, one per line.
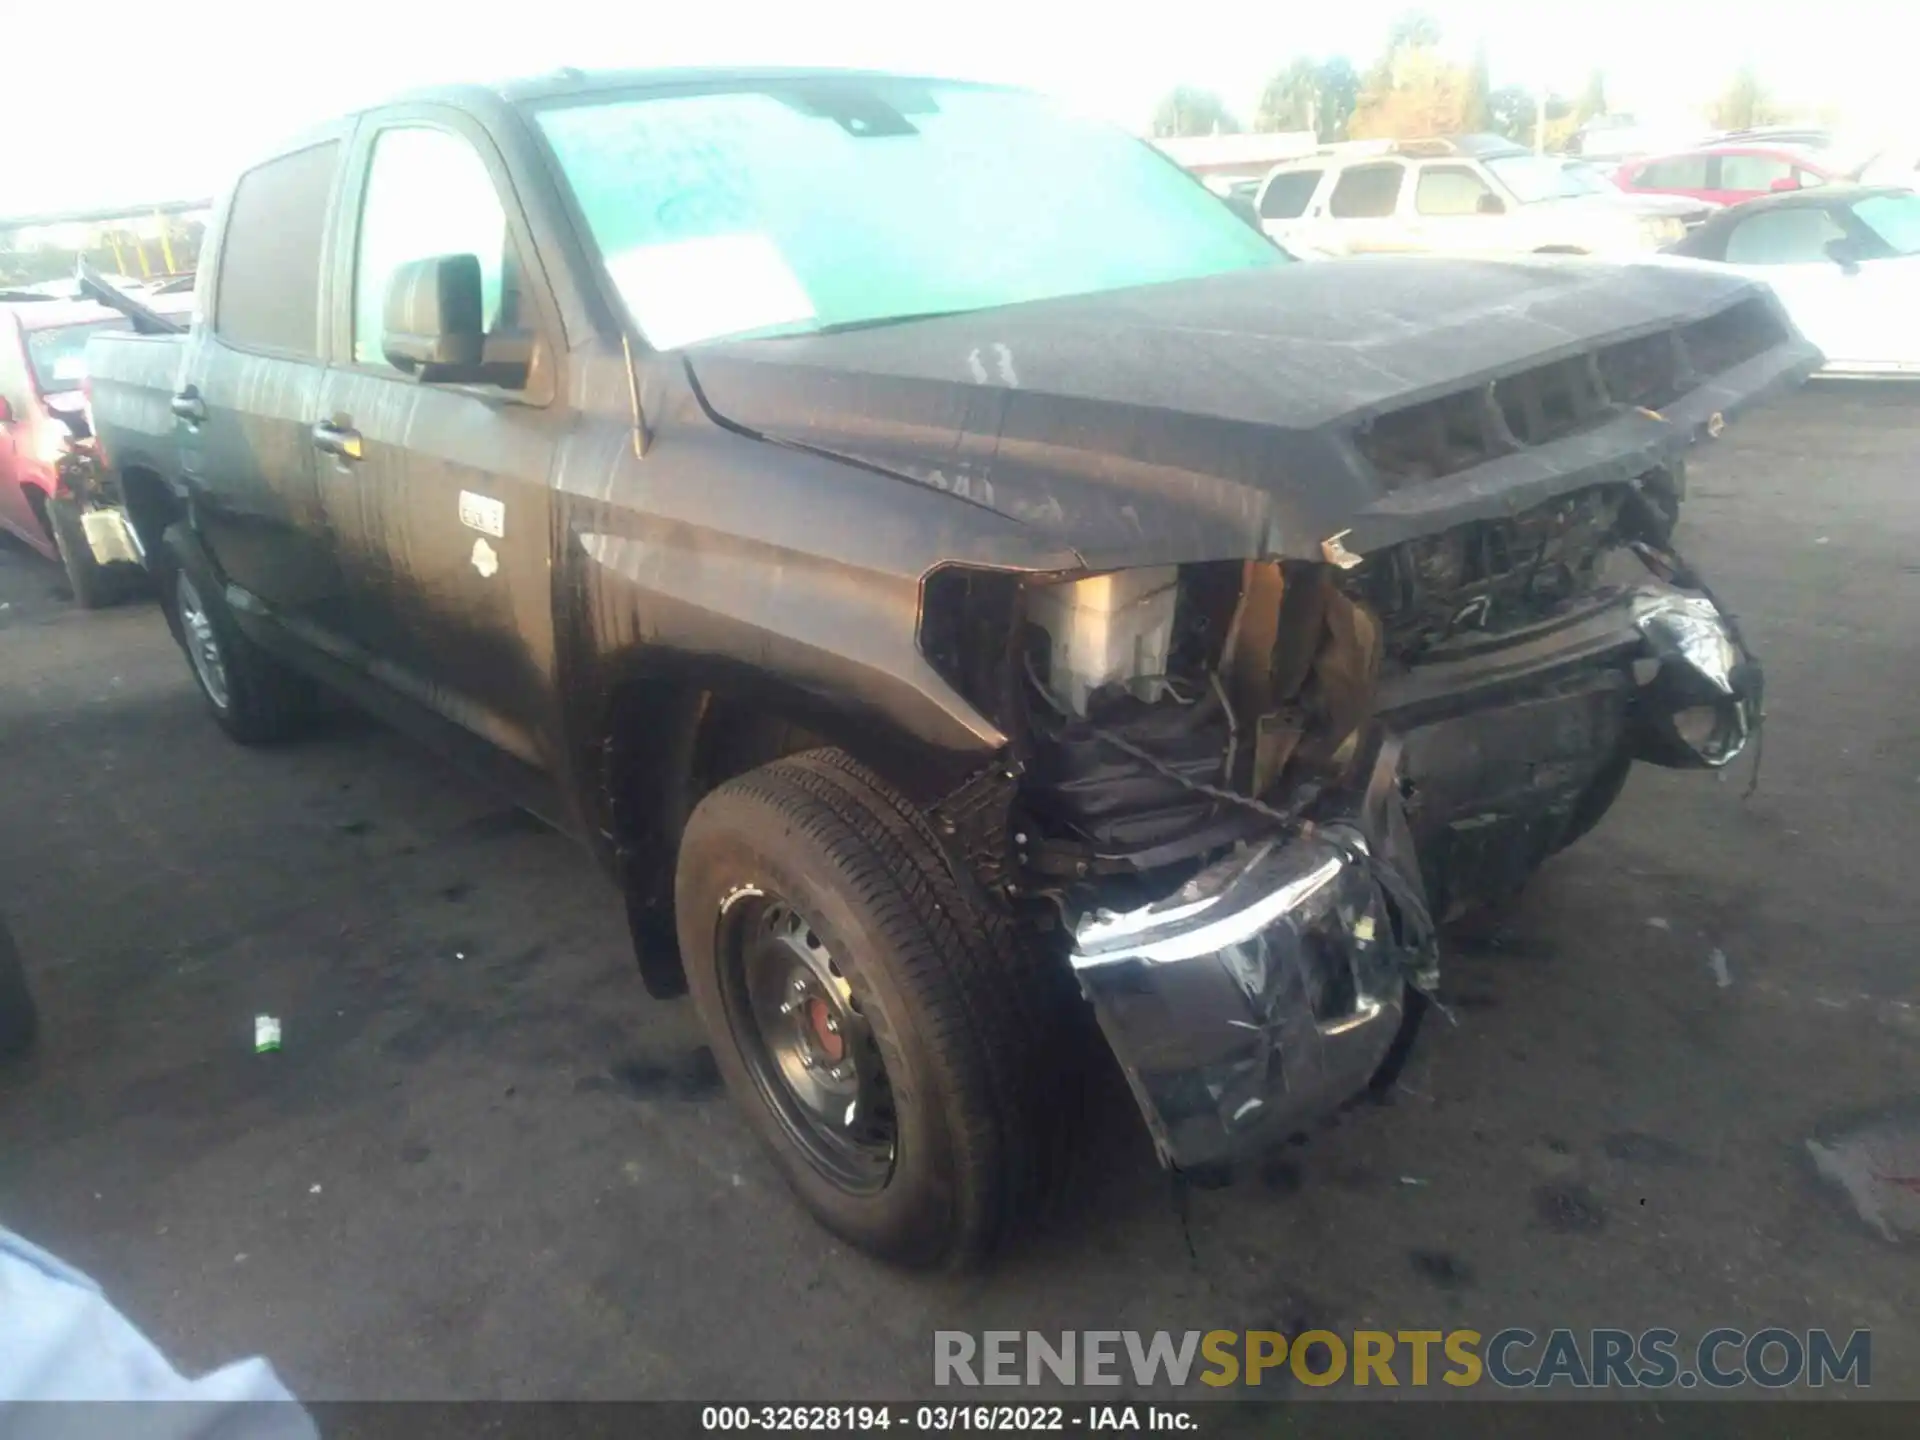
(672, 728)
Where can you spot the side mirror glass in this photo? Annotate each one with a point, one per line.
(1842, 253)
(431, 325)
(1491, 204)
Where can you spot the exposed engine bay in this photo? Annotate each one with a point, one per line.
(1251, 789)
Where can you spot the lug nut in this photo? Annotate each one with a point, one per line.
(806, 1061)
(840, 1072)
(833, 1026)
(787, 1007)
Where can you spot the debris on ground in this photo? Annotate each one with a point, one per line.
(266, 1034)
(1717, 963)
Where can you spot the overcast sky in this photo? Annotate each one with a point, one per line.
(135, 101)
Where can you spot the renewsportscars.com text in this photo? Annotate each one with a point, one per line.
(1514, 1358)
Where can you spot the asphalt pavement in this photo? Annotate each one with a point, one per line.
(1676, 1087)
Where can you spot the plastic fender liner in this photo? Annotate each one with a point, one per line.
(1266, 992)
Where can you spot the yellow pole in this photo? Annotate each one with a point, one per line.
(166, 246)
(140, 254)
(119, 258)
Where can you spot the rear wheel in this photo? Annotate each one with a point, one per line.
(92, 583)
(868, 1009)
(253, 697)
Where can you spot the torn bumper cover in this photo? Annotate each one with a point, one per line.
(1269, 989)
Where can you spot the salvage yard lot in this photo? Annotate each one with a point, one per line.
(485, 1164)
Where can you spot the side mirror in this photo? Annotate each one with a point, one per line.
(431, 326)
(1784, 184)
(6, 411)
(1841, 252)
(1490, 205)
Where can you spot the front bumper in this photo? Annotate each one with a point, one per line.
(1270, 989)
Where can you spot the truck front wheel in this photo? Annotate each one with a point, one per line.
(867, 1009)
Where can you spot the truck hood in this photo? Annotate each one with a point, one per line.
(1220, 418)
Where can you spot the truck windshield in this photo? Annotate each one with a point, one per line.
(58, 353)
(845, 202)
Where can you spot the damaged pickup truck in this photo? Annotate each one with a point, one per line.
(925, 589)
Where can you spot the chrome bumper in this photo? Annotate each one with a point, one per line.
(1268, 990)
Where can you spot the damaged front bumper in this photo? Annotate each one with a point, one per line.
(1270, 987)
(1275, 985)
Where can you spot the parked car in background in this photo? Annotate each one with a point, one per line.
(1474, 194)
(1844, 260)
(45, 434)
(1728, 174)
(1598, 179)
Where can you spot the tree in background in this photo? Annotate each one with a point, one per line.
(1593, 99)
(1744, 103)
(1310, 95)
(1512, 111)
(1479, 109)
(1191, 110)
(1339, 93)
(1411, 91)
(1291, 99)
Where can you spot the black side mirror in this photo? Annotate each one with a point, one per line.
(1842, 253)
(432, 324)
(1491, 205)
(6, 411)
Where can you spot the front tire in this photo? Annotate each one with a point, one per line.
(252, 696)
(868, 1009)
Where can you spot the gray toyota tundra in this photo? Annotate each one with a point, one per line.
(954, 575)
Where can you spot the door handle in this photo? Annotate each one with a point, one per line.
(188, 406)
(342, 441)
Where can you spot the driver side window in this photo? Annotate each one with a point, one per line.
(428, 193)
(1797, 236)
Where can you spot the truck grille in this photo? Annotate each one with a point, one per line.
(1490, 576)
(1549, 402)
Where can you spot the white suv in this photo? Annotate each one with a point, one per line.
(1473, 195)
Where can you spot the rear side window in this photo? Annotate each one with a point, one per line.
(1798, 236)
(1287, 194)
(268, 295)
(1753, 172)
(1449, 190)
(1683, 172)
(1366, 192)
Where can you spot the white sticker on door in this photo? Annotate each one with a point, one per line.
(484, 560)
(483, 513)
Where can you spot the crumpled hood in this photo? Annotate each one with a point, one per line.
(1200, 419)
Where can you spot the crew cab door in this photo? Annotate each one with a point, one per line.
(438, 493)
(1453, 210)
(251, 375)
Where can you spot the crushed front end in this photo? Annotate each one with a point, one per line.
(1241, 796)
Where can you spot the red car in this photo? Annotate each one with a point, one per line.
(1726, 174)
(43, 349)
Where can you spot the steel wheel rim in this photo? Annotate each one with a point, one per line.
(806, 1043)
(203, 646)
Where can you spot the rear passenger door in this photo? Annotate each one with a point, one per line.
(1362, 211)
(439, 496)
(250, 385)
